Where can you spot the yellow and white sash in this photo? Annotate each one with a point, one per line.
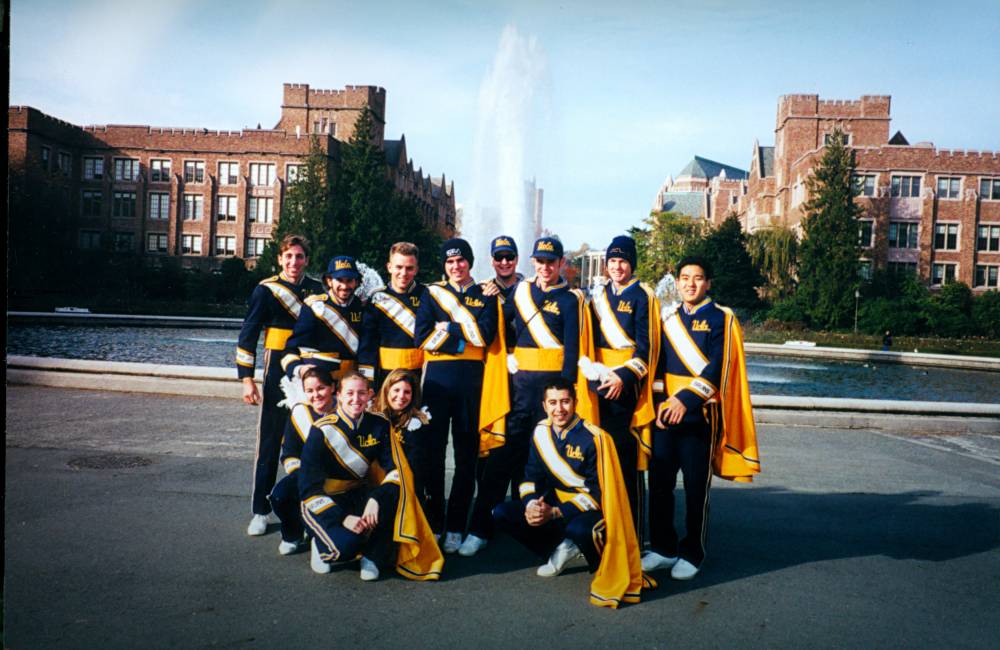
(396, 311)
(458, 314)
(688, 352)
(349, 457)
(286, 297)
(532, 317)
(552, 458)
(610, 327)
(335, 321)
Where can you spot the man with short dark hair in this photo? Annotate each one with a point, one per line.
(572, 502)
(390, 319)
(273, 306)
(704, 425)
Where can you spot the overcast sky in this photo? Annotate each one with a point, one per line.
(626, 92)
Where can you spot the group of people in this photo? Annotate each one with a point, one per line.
(563, 401)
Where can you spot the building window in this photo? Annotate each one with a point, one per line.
(293, 173)
(261, 210)
(255, 246)
(903, 234)
(156, 242)
(126, 169)
(227, 208)
(90, 240)
(194, 171)
(65, 163)
(864, 184)
(865, 233)
(989, 189)
(905, 186)
(159, 171)
(123, 242)
(193, 204)
(123, 205)
(948, 187)
(865, 270)
(946, 236)
(93, 169)
(986, 275)
(843, 137)
(988, 238)
(943, 273)
(46, 157)
(92, 202)
(191, 244)
(159, 205)
(229, 173)
(902, 268)
(225, 245)
(262, 174)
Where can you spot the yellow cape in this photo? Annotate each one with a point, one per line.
(736, 457)
(619, 578)
(586, 402)
(418, 556)
(494, 403)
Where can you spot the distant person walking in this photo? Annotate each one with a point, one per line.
(887, 341)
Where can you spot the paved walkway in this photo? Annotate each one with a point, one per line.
(849, 539)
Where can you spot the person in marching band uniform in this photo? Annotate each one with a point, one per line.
(318, 400)
(327, 332)
(456, 324)
(705, 424)
(545, 316)
(274, 306)
(357, 493)
(572, 502)
(389, 323)
(626, 341)
(399, 401)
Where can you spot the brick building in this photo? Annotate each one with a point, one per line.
(704, 189)
(930, 211)
(199, 194)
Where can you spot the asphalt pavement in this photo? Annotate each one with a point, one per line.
(125, 520)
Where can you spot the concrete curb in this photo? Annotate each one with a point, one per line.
(961, 362)
(198, 381)
(128, 320)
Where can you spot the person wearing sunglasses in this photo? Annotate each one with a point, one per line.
(503, 249)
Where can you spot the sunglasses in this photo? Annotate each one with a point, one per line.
(504, 257)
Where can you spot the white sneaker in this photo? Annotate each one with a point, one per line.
(369, 571)
(683, 570)
(653, 561)
(316, 563)
(560, 557)
(287, 548)
(258, 525)
(471, 546)
(452, 542)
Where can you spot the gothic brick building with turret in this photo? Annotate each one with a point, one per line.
(198, 194)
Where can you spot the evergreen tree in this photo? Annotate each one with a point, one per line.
(828, 255)
(372, 213)
(308, 211)
(735, 278)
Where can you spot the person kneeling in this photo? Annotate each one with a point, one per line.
(573, 502)
(345, 453)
